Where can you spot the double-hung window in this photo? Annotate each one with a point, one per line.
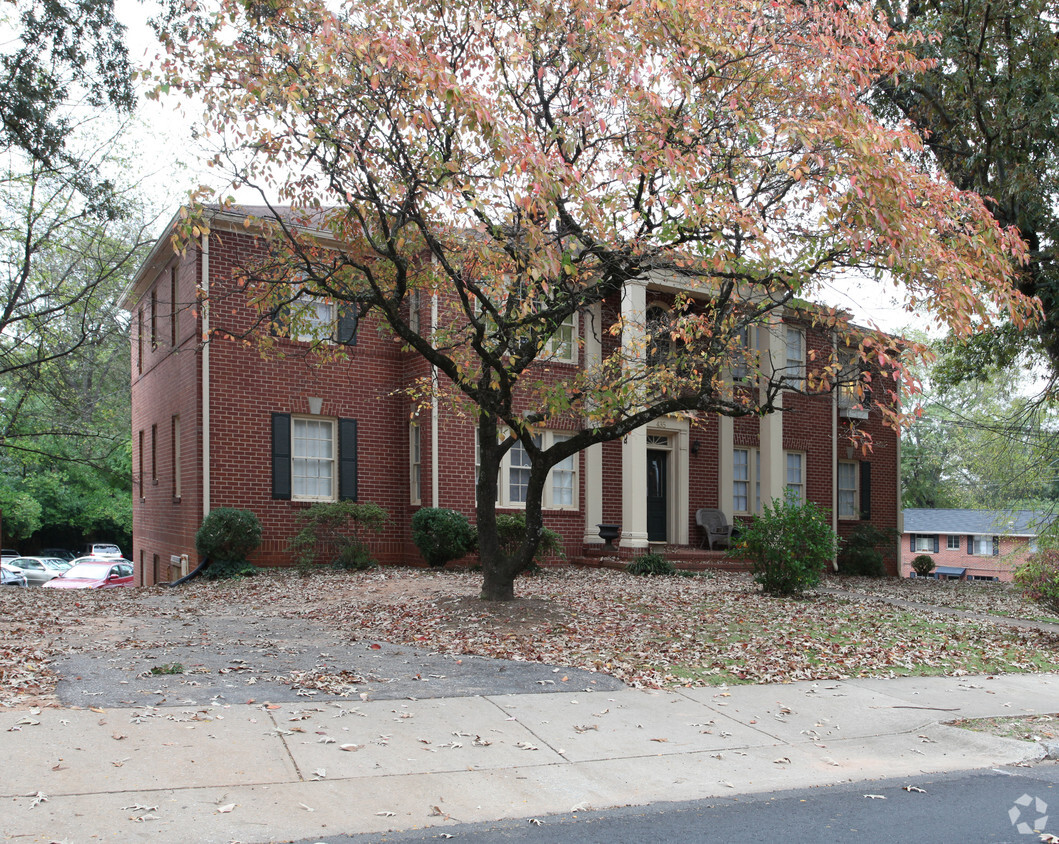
(983, 545)
(415, 459)
(560, 488)
(925, 543)
(795, 476)
(847, 490)
(952, 542)
(314, 458)
(743, 354)
(794, 364)
(746, 481)
(562, 345)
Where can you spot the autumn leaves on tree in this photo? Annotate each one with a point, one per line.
(526, 160)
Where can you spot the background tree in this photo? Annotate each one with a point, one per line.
(524, 160)
(983, 441)
(56, 55)
(988, 110)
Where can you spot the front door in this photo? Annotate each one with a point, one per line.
(657, 484)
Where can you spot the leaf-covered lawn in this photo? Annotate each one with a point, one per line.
(649, 632)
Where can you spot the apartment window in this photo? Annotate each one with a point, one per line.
(742, 354)
(415, 457)
(952, 542)
(174, 309)
(154, 454)
(154, 320)
(313, 458)
(795, 487)
(847, 490)
(983, 545)
(139, 467)
(925, 543)
(561, 345)
(746, 466)
(794, 366)
(310, 318)
(560, 488)
(175, 426)
(563, 478)
(658, 335)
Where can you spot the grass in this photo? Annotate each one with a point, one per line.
(1022, 727)
(168, 668)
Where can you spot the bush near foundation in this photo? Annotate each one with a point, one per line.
(442, 535)
(923, 565)
(227, 536)
(788, 546)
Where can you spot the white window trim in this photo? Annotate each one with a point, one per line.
(799, 487)
(503, 486)
(794, 368)
(333, 495)
(753, 480)
(855, 514)
(415, 462)
(745, 353)
(551, 351)
(950, 545)
(978, 538)
(928, 541)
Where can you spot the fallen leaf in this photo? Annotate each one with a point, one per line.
(225, 809)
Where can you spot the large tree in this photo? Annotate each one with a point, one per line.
(524, 161)
(987, 107)
(57, 57)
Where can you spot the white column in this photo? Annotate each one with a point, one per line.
(634, 489)
(770, 432)
(592, 325)
(634, 445)
(726, 467)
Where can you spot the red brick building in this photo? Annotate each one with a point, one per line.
(971, 544)
(218, 423)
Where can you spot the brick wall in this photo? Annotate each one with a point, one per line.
(1013, 550)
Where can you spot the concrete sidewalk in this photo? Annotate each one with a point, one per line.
(274, 772)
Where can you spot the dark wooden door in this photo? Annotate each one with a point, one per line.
(657, 485)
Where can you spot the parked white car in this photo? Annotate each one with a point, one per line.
(103, 551)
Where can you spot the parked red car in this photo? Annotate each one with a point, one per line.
(93, 573)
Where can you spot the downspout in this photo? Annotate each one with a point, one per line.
(834, 461)
(435, 477)
(204, 289)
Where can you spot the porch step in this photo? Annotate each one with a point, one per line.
(683, 557)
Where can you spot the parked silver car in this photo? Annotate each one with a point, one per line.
(39, 570)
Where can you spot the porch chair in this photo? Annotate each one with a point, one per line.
(715, 528)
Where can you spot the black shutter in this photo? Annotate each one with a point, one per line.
(280, 322)
(865, 490)
(937, 543)
(347, 325)
(912, 542)
(996, 546)
(970, 544)
(281, 455)
(347, 459)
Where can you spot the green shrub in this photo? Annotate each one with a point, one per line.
(335, 532)
(1038, 578)
(788, 546)
(442, 535)
(923, 564)
(651, 564)
(226, 537)
(860, 554)
(511, 531)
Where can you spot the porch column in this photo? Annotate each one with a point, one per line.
(726, 467)
(593, 354)
(634, 444)
(770, 432)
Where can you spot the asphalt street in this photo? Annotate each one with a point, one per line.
(973, 807)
